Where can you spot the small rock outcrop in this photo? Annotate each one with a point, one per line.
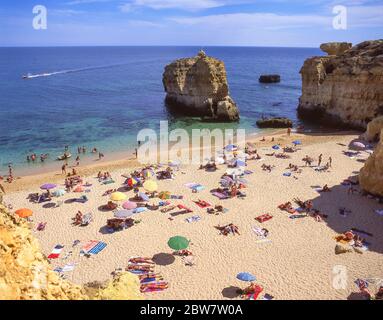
(374, 128)
(335, 48)
(346, 89)
(269, 78)
(371, 175)
(275, 123)
(198, 87)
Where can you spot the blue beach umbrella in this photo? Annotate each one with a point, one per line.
(245, 276)
(231, 147)
(275, 147)
(240, 163)
(59, 193)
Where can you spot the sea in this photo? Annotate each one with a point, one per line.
(103, 96)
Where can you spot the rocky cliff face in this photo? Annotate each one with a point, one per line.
(344, 89)
(335, 48)
(25, 273)
(371, 175)
(198, 86)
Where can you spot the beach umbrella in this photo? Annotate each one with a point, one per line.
(148, 173)
(24, 212)
(150, 185)
(129, 205)
(123, 213)
(143, 196)
(178, 243)
(48, 186)
(275, 147)
(234, 172)
(231, 147)
(118, 196)
(245, 276)
(297, 142)
(59, 193)
(133, 181)
(240, 163)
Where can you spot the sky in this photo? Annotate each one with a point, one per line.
(283, 23)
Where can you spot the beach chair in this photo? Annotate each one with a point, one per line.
(86, 219)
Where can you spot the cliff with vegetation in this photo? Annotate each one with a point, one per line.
(25, 273)
(344, 88)
(198, 87)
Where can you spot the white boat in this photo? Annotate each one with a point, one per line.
(64, 156)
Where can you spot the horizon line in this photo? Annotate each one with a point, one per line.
(163, 46)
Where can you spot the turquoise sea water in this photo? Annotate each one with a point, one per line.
(102, 96)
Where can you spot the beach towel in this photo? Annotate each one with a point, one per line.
(220, 195)
(193, 219)
(56, 252)
(202, 204)
(264, 218)
(93, 247)
(173, 196)
(108, 181)
(248, 172)
(254, 296)
(181, 206)
(287, 174)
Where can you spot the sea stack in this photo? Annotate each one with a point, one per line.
(198, 87)
(344, 89)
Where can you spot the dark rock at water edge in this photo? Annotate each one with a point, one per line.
(270, 78)
(277, 122)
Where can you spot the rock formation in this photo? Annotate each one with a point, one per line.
(269, 78)
(344, 90)
(374, 128)
(198, 86)
(25, 273)
(275, 123)
(371, 175)
(335, 48)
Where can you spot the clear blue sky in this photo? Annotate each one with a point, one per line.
(301, 23)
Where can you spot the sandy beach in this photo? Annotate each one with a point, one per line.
(298, 262)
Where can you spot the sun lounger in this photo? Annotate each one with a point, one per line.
(220, 195)
(181, 206)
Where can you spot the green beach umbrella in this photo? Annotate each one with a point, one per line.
(178, 243)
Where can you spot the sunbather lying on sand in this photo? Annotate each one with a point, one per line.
(266, 167)
(287, 207)
(77, 220)
(326, 188)
(226, 230)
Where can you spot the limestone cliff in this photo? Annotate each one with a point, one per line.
(345, 89)
(198, 86)
(335, 48)
(374, 128)
(371, 175)
(25, 274)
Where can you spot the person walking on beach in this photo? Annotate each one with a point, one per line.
(77, 161)
(63, 168)
(330, 162)
(288, 132)
(320, 160)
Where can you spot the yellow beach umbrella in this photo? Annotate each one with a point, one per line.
(24, 212)
(150, 185)
(118, 196)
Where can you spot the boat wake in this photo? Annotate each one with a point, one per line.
(48, 74)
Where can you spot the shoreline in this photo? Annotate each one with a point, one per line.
(120, 160)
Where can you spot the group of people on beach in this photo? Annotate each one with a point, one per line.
(33, 157)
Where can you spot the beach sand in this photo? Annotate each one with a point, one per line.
(298, 263)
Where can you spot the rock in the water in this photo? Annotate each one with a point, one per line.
(344, 90)
(371, 175)
(275, 123)
(374, 128)
(335, 48)
(198, 86)
(270, 78)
